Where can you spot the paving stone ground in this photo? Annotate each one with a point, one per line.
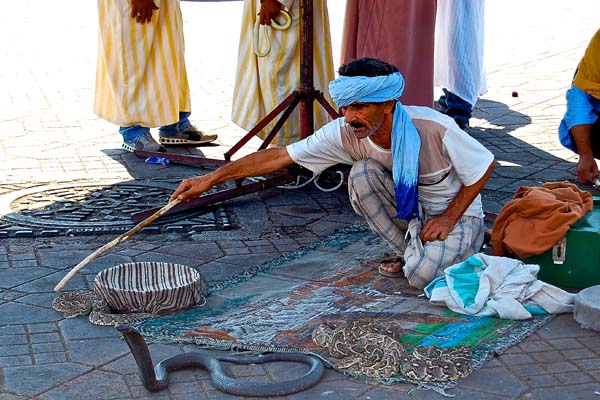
(49, 135)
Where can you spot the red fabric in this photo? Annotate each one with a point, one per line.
(538, 217)
(400, 32)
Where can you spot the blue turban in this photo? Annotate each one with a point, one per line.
(406, 141)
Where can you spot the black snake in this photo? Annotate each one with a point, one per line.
(155, 379)
(85, 302)
(373, 349)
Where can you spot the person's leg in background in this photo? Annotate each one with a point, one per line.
(137, 137)
(458, 62)
(455, 107)
(183, 133)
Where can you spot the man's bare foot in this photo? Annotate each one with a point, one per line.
(391, 267)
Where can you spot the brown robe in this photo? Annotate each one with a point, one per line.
(400, 32)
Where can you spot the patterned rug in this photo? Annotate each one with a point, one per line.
(275, 307)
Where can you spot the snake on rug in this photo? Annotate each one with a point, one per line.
(84, 302)
(373, 349)
(155, 378)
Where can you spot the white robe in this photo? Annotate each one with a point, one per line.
(459, 33)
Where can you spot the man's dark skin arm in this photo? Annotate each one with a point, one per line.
(438, 227)
(269, 9)
(255, 164)
(142, 10)
(587, 169)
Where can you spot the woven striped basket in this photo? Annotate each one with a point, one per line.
(149, 287)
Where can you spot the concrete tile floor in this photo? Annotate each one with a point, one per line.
(48, 134)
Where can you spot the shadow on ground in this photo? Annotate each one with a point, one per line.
(518, 163)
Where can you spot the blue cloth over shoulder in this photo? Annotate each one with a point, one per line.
(406, 141)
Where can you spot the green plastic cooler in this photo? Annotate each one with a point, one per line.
(574, 262)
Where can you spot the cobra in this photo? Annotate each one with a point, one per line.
(155, 379)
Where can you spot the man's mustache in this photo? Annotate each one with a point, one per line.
(356, 125)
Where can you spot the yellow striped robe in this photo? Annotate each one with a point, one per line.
(263, 82)
(140, 74)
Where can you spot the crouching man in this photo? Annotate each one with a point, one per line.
(415, 177)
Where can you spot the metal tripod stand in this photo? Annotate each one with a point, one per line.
(303, 97)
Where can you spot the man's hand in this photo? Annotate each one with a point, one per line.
(192, 188)
(142, 10)
(437, 228)
(587, 170)
(269, 9)
(254, 164)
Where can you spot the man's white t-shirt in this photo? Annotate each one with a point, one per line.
(448, 159)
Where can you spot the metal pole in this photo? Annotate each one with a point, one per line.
(306, 68)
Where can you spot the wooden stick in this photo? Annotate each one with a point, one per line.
(114, 242)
